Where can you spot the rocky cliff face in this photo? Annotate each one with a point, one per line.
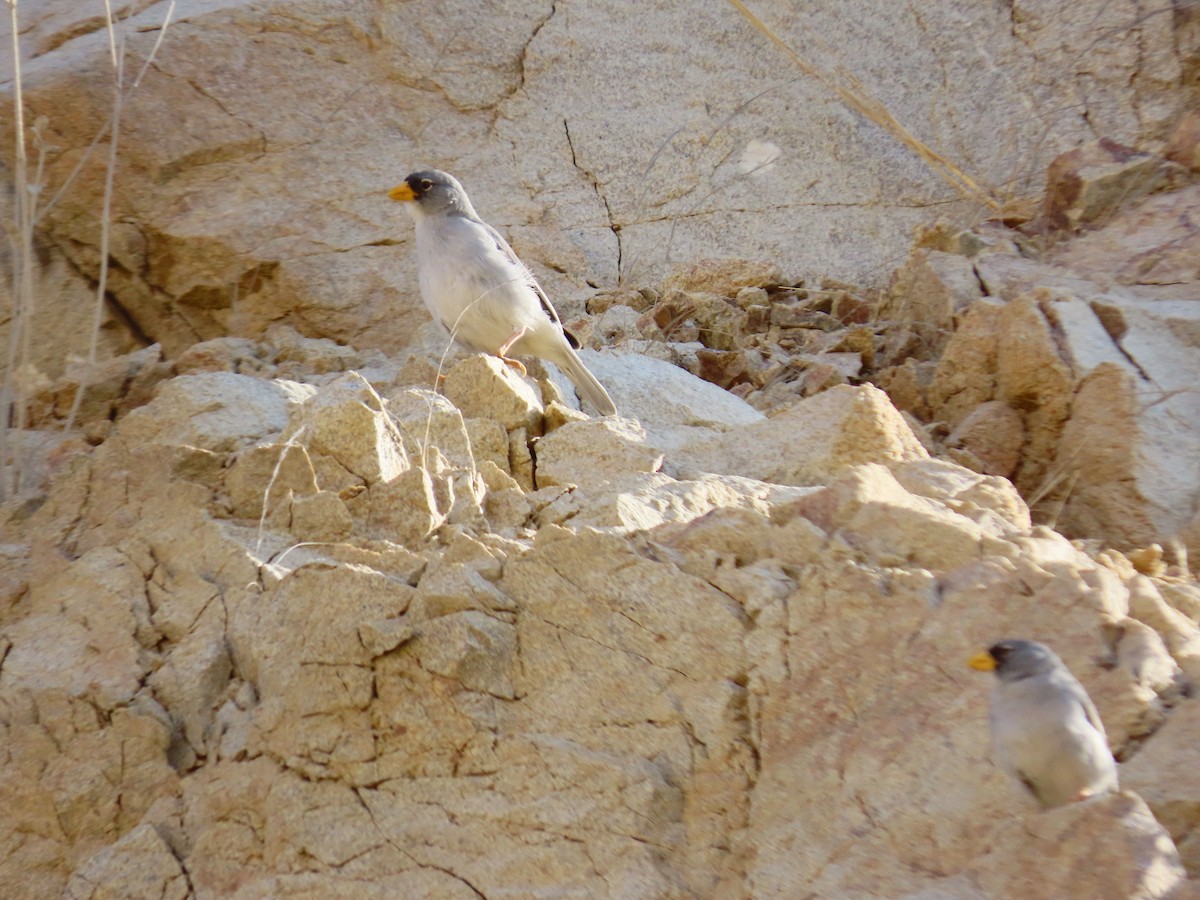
(294, 615)
(328, 634)
(610, 141)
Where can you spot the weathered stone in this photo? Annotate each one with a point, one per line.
(489, 443)
(867, 502)
(674, 408)
(322, 516)
(299, 645)
(427, 420)
(1178, 632)
(226, 354)
(1183, 146)
(641, 502)
(636, 299)
(79, 634)
(621, 323)
(988, 500)
(406, 509)
(908, 386)
(1148, 560)
(346, 422)
(1166, 774)
(418, 680)
(594, 451)
(520, 458)
(929, 292)
(723, 277)
(73, 786)
(558, 415)
(140, 864)
(726, 368)
(385, 635)
(112, 387)
(484, 387)
(993, 435)
(713, 186)
(296, 354)
(1032, 376)
(1090, 183)
(966, 372)
(472, 648)
(1183, 595)
(265, 474)
(63, 317)
(1070, 355)
(217, 411)
(811, 442)
(1027, 859)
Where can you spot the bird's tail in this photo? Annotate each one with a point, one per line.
(585, 382)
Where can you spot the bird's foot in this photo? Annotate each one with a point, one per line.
(516, 364)
(512, 339)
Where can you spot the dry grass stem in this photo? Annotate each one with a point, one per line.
(116, 45)
(1063, 471)
(288, 444)
(13, 404)
(438, 378)
(851, 91)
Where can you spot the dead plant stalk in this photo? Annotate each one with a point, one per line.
(13, 406)
(116, 47)
(851, 91)
(14, 403)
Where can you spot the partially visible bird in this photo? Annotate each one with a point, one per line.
(474, 284)
(1046, 732)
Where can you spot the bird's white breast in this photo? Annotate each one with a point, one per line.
(1041, 733)
(469, 285)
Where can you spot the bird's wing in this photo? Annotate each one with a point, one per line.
(1076, 691)
(1029, 785)
(1089, 709)
(502, 246)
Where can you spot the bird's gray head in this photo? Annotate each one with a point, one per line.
(431, 192)
(1014, 659)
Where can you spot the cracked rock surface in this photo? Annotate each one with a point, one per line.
(608, 142)
(279, 636)
(293, 615)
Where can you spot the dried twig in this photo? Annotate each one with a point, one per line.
(851, 91)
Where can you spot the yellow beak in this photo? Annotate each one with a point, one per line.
(402, 192)
(982, 661)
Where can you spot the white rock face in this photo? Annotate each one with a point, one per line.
(216, 411)
(643, 141)
(812, 441)
(288, 621)
(595, 452)
(675, 409)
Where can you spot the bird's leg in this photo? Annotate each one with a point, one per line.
(507, 345)
(512, 339)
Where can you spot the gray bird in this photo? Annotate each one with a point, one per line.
(1046, 732)
(474, 284)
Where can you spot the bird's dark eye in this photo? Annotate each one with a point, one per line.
(426, 184)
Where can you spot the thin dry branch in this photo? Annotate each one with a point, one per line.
(13, 406)
(851, 91)
(117, 48)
